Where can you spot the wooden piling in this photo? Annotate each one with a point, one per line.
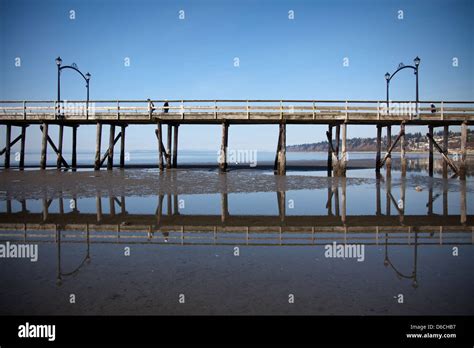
(343, 164)
(122, 146)
(445, 198)
(44, 144)
(74, 148)
(224, 144)
(443, 154)
(329, 135)
(463, 204)
(224, 207)
(430, 200)
(61, 203)
(335, 155)
(169, 210)
(175, 147)
(378, 200)
(159, 136)
(123, 208)
(175, 205)
(403, 159)
(463, 166)
(111, 205)
(343, 189)
(379, 148)
(402, 200)
(9, 206)
(388, 161)
(275, 165)
(98, 206)
(98, 140)
(60, 147)
(45, 208)
(281, 199)
(338, 139)
(22, 147)
(388, 193)
(282, 150)
(8, 145)
(430, 155)
(110, 159)
(445, 149)
(329, 201)
(168, 147)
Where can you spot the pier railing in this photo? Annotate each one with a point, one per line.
(249, 235)
(145, 111)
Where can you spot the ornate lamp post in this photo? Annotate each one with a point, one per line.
(86, 77)
(401, 66)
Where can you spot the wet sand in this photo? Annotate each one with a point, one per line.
(52, 183)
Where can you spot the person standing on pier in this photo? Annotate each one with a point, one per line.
(151, 106)
(166, 107)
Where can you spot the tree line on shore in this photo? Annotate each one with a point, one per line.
(414, 142)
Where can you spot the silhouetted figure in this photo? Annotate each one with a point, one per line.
(151, 106)
(433, 108)
(166, 107)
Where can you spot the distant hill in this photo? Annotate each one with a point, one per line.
(415, 142)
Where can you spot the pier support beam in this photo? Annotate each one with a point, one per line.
(344, 151)
(44, 145)
(98, 140)
(22, 147)
(390, 149)
(74, 147)
(443, 153)
(335, 154)
(159, 136)
(110, 156)
(224, 144)
(330, 148)
(8, 145)
(445, 150)
(224, 207)
(281, 199)
(281, 151)
(60, 147)
(175, 146)
(463, 166)
(388, 161)
(122, 146)
(403, 159)
(463, 205)
(339, 161)
(430, 155)
(168, 147)
(379, 148)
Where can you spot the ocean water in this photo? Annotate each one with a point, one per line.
(186, 157)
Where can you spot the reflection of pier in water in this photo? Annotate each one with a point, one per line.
(170, 226)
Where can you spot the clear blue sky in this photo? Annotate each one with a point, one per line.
(194, 58)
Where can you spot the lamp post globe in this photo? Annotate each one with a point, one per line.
(417, 61)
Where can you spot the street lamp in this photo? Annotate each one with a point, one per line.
(86, 77)
(415, 68)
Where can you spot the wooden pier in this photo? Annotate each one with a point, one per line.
(334, 113)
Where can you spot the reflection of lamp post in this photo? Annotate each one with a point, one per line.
(400, 275)
(401, 66)
(87, 259)
(86, 77)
